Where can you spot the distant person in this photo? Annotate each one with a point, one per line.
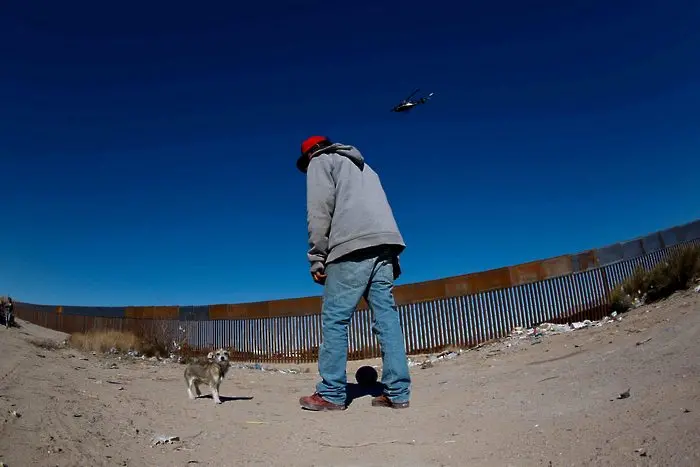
(354, 248)
(7, 308)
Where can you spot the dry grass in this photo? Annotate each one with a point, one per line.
(634, 288)
(620, 301)
(638, 283)
(105, 340)
(675, 274)
(159, 336)
(667, 277)
(46, 344)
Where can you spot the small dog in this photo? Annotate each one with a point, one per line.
(211, 372)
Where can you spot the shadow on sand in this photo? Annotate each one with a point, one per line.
(226, 398)
(356, 391)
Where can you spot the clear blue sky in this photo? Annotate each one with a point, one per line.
(147, 149)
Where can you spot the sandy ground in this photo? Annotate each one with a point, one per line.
(513, 403)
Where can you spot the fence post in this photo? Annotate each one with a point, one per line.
(606, 285)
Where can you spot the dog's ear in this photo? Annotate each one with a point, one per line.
(210, 355)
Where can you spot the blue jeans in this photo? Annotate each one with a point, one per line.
(347, 282)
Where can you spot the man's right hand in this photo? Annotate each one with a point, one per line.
(319, 277)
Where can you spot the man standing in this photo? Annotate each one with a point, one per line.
(354, 247)
(7, 309)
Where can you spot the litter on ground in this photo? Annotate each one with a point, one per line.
(164, 439)
(534, 334)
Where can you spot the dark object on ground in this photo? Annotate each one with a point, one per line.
(366, 376)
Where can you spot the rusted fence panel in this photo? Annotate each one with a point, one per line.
(462, 311)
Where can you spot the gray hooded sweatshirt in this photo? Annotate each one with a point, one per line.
(346, 207)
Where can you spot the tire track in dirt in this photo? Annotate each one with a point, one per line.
(13, 358)
(34, 376)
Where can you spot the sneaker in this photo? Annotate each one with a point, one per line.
(384, 401)
(317, 403)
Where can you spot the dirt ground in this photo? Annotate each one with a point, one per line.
(520, 402)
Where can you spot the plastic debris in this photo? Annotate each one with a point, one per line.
(260, 367)
(15, 414)
(582, 324)
(252, 366)
(163, 439)
(554, 328)
(551, 328)
(431, 359)
(451, 355)
(534, 334)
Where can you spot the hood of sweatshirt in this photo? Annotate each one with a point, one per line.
(351, 152)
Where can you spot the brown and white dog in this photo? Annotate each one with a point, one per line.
(211, 372)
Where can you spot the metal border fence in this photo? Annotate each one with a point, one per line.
(460, 311)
